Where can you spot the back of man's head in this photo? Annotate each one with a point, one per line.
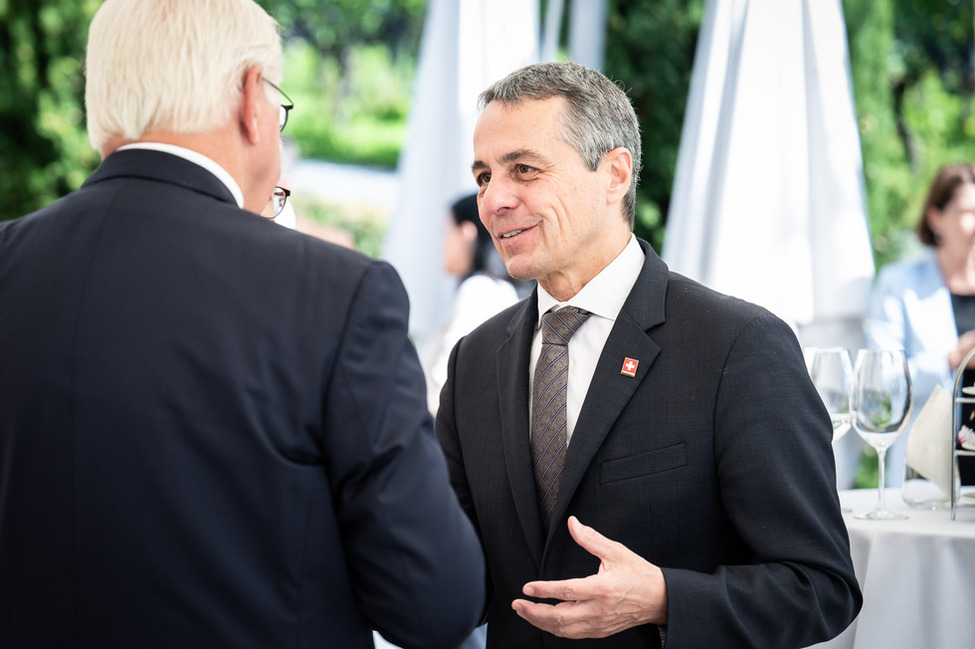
(173, 65)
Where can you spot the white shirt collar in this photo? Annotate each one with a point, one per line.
(197, 158)
(605, 293)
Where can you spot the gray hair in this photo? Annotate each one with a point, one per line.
(173, 65)
(599, 117)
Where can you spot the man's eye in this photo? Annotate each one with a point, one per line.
(482, 179)
(524, 169)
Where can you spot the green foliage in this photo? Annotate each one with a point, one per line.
(363, 71)
(356, 118)
(868, 470)
(869, 26)
(912, 82)
(44, 151)
(352, 63)
(334, 27)
(650, 50)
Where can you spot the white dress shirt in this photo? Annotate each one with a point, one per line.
(196, 158)
(603, 297)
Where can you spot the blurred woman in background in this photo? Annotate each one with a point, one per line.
(927, 305)
(484, 289)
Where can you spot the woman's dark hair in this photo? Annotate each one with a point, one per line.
(486, 258)
(950, 177)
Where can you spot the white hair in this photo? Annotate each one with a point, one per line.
(173, 65)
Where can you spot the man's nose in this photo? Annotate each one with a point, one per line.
(498, 196)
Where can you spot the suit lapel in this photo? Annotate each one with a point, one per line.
(512, 368)
(610, 389)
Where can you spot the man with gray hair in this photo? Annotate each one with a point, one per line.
(213, 429)
(678, 424)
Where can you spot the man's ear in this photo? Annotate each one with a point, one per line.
(619, 167)
(251, 104)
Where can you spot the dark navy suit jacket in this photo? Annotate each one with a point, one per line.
(213, 432)
(712, 462)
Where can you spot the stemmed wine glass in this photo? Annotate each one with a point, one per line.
(832, 374)
(881, 402)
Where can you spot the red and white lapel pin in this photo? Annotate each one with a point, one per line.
(629, 367)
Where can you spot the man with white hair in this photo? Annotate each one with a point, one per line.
(213, 430)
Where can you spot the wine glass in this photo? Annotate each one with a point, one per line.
(880, 402)
(832, 374)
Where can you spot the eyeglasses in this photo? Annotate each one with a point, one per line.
(285, 108)
(279, 199)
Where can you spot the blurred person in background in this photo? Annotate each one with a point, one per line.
(484, 289)
(926, 305)
(213, 429)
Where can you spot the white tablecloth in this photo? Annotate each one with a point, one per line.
(917, 577)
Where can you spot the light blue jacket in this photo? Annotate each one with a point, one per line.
(910, 307)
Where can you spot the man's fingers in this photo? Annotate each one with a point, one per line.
(566, 619)
(626, 591)
(570, 590)
(544, 616)
(592, 541)
(567, 590)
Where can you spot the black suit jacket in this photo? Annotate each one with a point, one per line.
(213, 432)
(713, 462)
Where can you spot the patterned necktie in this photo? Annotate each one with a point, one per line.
(548, 404)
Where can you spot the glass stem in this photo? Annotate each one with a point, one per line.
(881, 454)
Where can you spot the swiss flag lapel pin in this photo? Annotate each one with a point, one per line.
(629, 366)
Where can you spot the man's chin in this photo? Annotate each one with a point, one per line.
(520, 270)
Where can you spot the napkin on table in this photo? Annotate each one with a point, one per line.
(930, 442)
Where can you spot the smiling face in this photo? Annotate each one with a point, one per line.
(551, 218)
